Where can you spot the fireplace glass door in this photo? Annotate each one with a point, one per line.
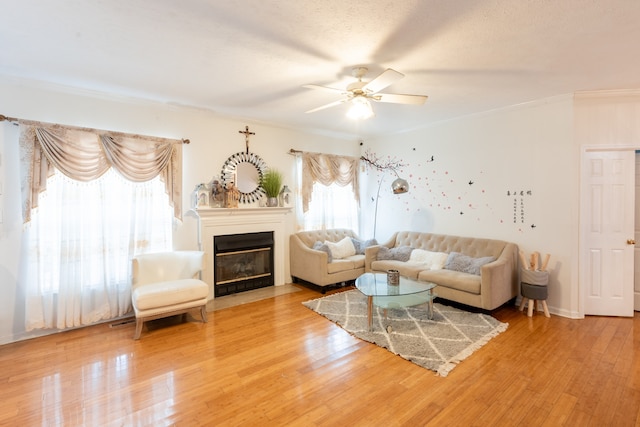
(243, 262)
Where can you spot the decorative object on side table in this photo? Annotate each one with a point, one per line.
(393, 277)
(271, 184)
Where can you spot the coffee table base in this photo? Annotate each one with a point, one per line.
(391, 301)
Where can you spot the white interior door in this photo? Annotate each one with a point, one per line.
(608, 252)
(636, 257)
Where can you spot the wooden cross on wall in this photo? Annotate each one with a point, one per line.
(247, 134)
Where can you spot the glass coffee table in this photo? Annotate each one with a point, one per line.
(407, 293)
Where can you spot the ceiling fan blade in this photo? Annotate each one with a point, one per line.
(326, 89)
(400, 99)
(331, 104)
(385, 79)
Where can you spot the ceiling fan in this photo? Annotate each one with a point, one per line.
(359, 93)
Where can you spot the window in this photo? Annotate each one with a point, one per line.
(331, 206)
(328, 196)
(91, 201)
(80, 243)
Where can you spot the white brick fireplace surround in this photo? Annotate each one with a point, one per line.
(220, 221)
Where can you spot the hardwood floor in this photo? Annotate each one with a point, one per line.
(275, 362)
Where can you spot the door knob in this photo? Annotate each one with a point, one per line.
(631, 242)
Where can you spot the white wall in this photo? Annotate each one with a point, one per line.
(213, 140)
(527, 148)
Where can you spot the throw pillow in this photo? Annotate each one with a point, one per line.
(319, 246)
(466, 264)
(361, 245)
(401, 253)
(342, 249)
(433, 260)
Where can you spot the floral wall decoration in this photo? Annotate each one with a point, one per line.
(381, 164)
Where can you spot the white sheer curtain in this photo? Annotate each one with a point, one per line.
(81, 240)
(325, 202)
(81, 232)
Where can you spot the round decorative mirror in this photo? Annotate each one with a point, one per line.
(244, 170)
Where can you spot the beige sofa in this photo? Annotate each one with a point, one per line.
(496, 284)
(313, 266)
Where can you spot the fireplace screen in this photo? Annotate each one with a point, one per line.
(242, 262)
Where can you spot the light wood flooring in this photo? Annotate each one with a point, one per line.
(274, 362)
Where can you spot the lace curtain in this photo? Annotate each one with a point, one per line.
(328, 169)
(84, 156)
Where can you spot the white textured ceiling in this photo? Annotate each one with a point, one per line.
(250, 58)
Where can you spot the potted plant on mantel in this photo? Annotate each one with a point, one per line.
(271, 184)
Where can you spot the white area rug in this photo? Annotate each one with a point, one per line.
(438, 344)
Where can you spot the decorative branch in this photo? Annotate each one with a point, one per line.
(372, 160)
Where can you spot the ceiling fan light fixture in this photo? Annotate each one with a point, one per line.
(360, 108)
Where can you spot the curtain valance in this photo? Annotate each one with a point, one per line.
(84, 155)
(328, 169)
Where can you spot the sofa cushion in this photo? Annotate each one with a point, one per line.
(429, 260)
(357, 260)
(361, 245)
(339, 265)
(466, 264)
(452, 279)
(342, 249)
(401, 253)
(319, 246)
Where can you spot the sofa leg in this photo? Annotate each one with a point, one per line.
(203, 313)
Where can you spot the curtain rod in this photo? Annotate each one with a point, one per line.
(112, 133)
(295, 152)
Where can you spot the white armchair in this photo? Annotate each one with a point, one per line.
(164, 284)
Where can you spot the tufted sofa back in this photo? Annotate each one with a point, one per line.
(471, 246)
(333, 235)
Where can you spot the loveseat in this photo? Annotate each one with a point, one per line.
(477, 272)
(322, 266)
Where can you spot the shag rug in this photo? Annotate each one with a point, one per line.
(438, 344)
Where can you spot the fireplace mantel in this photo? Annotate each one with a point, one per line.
(221, 221)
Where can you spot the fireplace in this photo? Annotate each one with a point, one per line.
(214, 222)
(242, 262)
